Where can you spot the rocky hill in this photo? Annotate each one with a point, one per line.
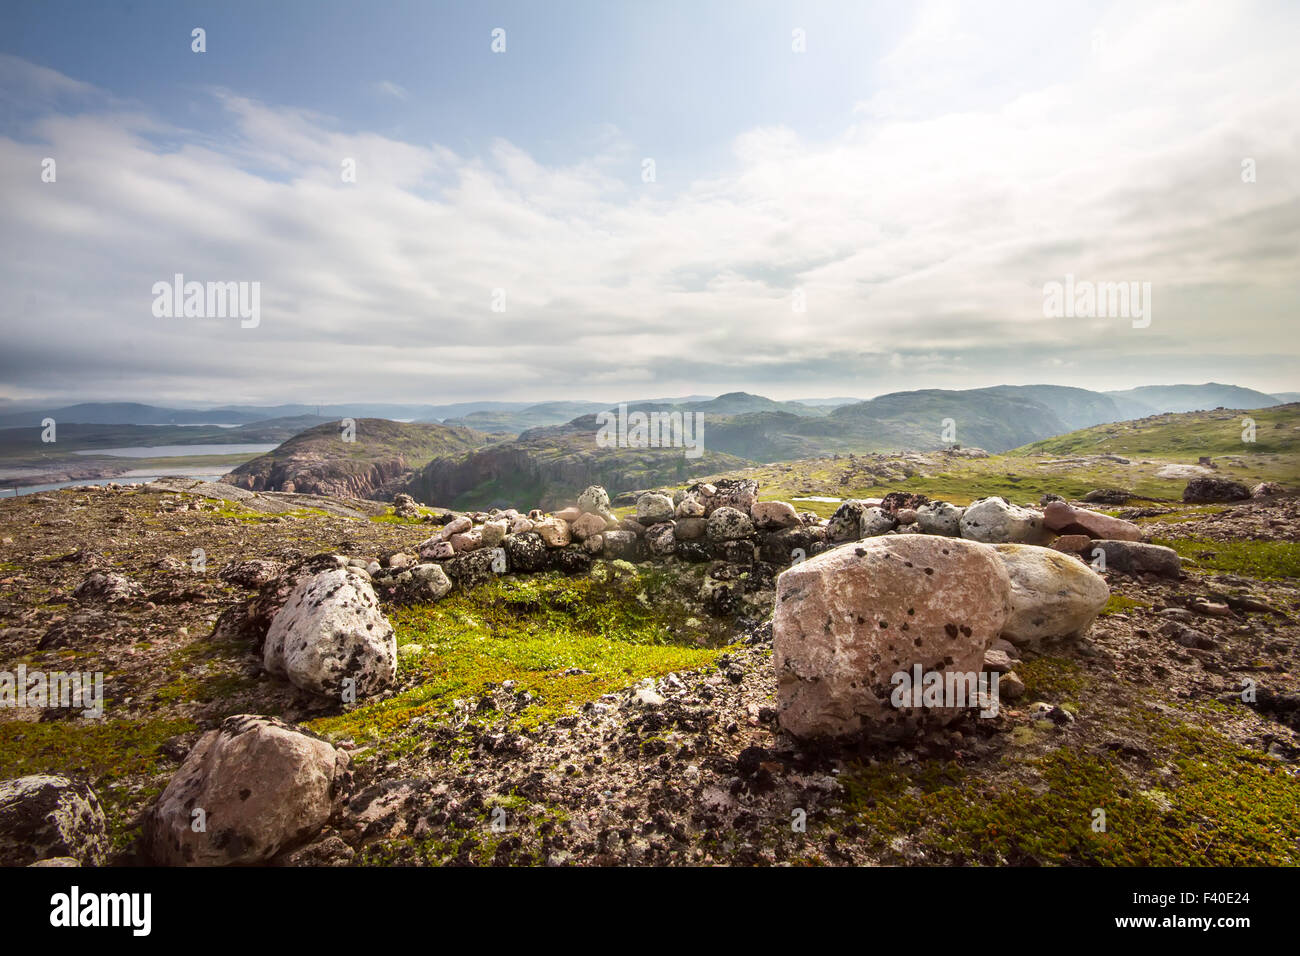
(545, 466)
(382, 459)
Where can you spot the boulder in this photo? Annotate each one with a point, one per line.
(728, 524)
(940, 517)
(690, 506)
(773, 515)
(690, 529)
(494, 532)
(738, 493)
(653, 508)
(1051, 595)
(455, 526)
(44, 817)
(1064, 519)
(474, 568)
(525, 553)
(569, 514)
(846, 522)
(331, 629)
(427, 583)
(876, 521)
(850, 619)
(622, 544)
(262, 786)
(106, 587)
(1266, 489)
(1072, 543)
(520, 525)
(466, 541)
(1206, 489)
(594, 501)
(553, 531)
(1135, 557)
(587, 525)
(995, 520)
(660, 539)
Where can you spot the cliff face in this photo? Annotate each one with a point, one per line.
(547, 468)
(378, 463)
(315, 475)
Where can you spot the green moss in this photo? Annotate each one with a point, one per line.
(89, 748)
(1221, 805)
(565, 641)
(1052, 678)
(1256, 559)
(1119, 604)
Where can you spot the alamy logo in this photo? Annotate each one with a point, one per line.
(1098, 300)
(74, 909)
(946, 689)
(652, 430)
(179, 299)
(55, 689)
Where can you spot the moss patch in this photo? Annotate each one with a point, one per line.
(565, 641)
(1257, 559)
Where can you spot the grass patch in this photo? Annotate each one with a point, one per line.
(1119, 604)
(1221, 805)
(1256, 559)
(94, 749)
(533, 631)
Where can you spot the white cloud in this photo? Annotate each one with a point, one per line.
(995, 155)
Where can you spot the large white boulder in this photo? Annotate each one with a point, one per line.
(1052, 594)
(331, 630)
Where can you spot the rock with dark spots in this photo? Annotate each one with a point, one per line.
(525, 553)
(846, 522)
(44, 817)
(251, 574)
(728, 524)
(1108, 496)
(1135, 557)
(262, 787)
(571, 560)
(695, 552)
(106, 587)
(623, 545)
(740, 551)
(897, 501)
(995, 521)
(474, 568)
(940, 517)
(738, 493)
(876, 521)
(849, 620)
(1206, 488)
(427, 583)
(594, 501)
(660, 539)
(653, 508)
(1051, 595)
(330, 632)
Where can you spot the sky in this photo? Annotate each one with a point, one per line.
(627, 199)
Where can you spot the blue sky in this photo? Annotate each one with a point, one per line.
(912, 179)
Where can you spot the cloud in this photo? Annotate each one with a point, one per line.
(996, 154)
(389, 88)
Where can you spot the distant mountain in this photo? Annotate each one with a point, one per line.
(383, 457)
(1287, 398)
(548, 467)
(72, 437)
(1076, 407)
(126, 413)
(1154, 399)
(514, 421)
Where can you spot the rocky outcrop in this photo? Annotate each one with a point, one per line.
(1206, 489)
(247, 791)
